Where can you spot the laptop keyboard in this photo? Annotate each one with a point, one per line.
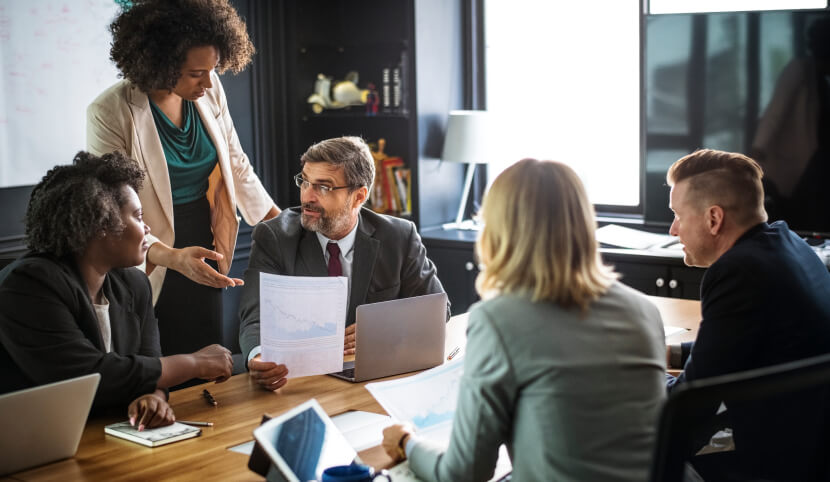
(348, 373)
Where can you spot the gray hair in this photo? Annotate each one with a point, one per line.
(352, 153)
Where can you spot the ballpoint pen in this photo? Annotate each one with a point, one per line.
(209, 398)
(453, 353)
(196, 424)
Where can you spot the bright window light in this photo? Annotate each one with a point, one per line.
(563, 84)
(700, 6)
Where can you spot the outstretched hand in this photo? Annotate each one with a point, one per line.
(190, 262)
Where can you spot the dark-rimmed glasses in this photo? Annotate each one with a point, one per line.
(321, 189)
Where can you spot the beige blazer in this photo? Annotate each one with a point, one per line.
(121, 119)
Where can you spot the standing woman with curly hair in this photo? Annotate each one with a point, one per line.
(74, 304)
(170, 114)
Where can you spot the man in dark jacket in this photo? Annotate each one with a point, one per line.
(765, 300)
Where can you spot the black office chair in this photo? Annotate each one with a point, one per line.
(681, 415)
(7, 259)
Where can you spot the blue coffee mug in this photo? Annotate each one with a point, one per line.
(353, 473)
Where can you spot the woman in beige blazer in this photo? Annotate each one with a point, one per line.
(170, 114)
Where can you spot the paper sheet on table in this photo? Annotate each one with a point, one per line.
(673, 330)
(427, 400)
(614, 235)
(302, 322)
(362, 429)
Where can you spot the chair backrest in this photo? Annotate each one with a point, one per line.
(6, 259)
(681, 414)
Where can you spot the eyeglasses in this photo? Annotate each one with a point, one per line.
(321, 189)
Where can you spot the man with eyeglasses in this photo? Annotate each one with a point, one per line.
(331, 234)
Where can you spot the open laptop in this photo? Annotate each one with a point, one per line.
(397, 336)
(45, 423)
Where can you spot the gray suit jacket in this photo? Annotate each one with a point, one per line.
(389, 262)
(572, 397)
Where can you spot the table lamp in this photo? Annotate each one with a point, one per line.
(466, 141)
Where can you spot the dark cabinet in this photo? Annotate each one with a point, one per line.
(656, 275)
(457, 271)
(452, 253)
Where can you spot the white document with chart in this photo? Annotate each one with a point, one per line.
(427, 400)
(303, 322)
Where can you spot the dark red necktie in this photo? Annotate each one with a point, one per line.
(335, 269)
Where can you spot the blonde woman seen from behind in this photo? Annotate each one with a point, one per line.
(563, 364)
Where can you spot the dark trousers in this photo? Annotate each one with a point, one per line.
(189, 314)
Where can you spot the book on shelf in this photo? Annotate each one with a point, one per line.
(392, 189)
(152, 437)
(403, 180)
(399, 71)
(390, 185)
(386, 90)
(396, 89)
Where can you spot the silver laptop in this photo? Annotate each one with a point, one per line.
(397, 336)
(43, 424)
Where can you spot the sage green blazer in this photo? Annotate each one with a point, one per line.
(573, 397)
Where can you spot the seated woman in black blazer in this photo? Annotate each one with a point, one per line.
(75, 305)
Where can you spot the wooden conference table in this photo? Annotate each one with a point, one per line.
(241, 404)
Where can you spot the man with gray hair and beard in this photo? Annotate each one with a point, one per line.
(331, 234)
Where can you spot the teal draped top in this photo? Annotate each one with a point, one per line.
(189, 151)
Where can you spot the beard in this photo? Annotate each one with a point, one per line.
(329, 223)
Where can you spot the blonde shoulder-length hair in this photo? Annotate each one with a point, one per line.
(539, 237)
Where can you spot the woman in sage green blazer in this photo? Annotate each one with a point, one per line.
(563, 364)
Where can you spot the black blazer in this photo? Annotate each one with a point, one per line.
(49, 330)
(764, 302)
(389, 262)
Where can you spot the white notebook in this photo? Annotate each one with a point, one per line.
(153, 437)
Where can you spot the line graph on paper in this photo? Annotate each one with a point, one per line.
(427, 400)
(295, 308)
(287, 325)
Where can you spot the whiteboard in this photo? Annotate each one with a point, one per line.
(54, 61)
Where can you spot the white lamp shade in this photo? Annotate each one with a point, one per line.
(468, 137)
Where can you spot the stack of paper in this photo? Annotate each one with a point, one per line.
(614, 235)
(362, 429)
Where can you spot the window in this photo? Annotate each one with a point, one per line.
(563, 83)
(696, 6)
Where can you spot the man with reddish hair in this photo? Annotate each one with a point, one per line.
(765, 300)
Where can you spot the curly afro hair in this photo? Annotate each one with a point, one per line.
(151, 39)
(74, 203)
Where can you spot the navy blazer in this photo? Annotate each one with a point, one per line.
(764, 302)
(389, 262)
(49, 330)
